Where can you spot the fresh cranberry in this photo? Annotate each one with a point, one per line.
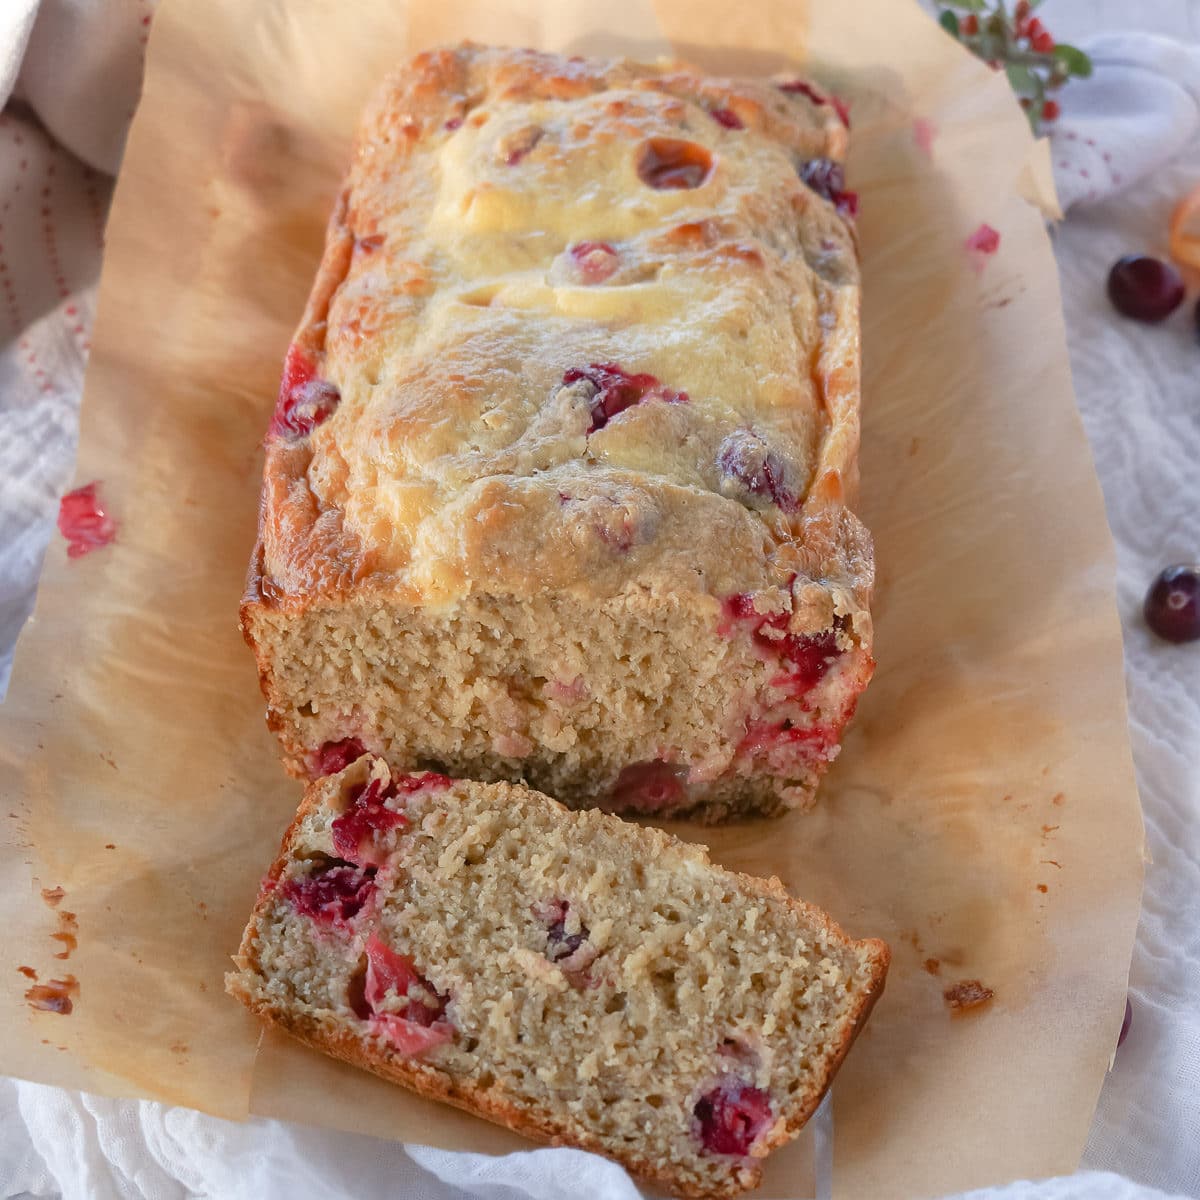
(333, 895)
(84, 521)
(800, 87)
(1172, 607)
(648, 787)
(727, 117)
(828, 179)
(969, 24)
(333, 757)
(615, 390)
(1144, 288)
(595, 261)
(355, 830)
(744, 456)
(1050, 110)
(1125, 1024)
(732, 1116)
(668, 163)
(392, 974)
(304, 400)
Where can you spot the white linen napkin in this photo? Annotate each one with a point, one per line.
(1138, 109)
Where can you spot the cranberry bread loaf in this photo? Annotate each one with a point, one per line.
(556, 486)
(574, 977)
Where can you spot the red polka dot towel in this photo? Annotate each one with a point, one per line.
(1138, 109)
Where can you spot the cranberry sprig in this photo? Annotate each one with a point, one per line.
(1018, 41)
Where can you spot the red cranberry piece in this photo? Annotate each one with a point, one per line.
(595, 261)
(1144, 288)
(828, 179)
(614, 390)
(453, 124)
(515, 146)
(744, 456)
(355, 830)
(727, 117)
(801, 88)
(393, 974)
(811, 654)
(333, 895)
(649, 787)
(985, 240)
(410, 1038)
(741, 607)
(1172, 607)
(732, 1116)
(370, 243)
(415, 783)
(762, 737)
(559, 943)
(668, 163)
(333, 757)
(84, 522)
(304, 400)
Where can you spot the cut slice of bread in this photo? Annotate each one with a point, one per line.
(577, 978)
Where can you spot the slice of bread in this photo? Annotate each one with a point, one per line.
(577, 978)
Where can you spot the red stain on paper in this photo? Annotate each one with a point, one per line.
(967, 995)
(924, 132)
(57, 996)
(981, 245)
(84, 522)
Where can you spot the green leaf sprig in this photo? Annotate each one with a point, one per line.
(1034, 62)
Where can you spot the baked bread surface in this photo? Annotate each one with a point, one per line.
(560, 471)
(577, 978)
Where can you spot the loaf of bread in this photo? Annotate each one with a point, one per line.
(577, 978)
(557, 484)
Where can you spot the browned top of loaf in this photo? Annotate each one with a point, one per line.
(452, 300)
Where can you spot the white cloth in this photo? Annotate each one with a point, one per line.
(1137, 111)
(78, 75)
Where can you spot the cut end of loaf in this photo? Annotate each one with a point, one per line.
(569, 975)
(666, 706)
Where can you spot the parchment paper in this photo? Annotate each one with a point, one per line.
(983, 815)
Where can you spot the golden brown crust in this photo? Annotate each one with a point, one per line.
(338, 524)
